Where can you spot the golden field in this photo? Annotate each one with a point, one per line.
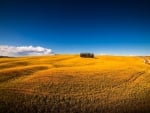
(70, 84)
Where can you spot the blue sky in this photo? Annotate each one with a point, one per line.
(120, 27)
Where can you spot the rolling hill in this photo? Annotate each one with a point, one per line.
(70, 84)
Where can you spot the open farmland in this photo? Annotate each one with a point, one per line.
(70, 84)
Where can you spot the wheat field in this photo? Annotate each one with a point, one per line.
(70, 84)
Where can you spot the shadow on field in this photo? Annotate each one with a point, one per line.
(7, 75)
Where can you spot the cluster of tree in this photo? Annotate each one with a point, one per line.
(87, 55)
(5, 57)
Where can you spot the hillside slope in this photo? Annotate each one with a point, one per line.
(70, 84)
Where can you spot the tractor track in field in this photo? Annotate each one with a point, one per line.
(31, 91)
(132, 78)
(14, 74)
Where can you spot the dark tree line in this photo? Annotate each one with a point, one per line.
(87, 55)
(5, 57)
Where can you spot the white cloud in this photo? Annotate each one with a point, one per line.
(23, 50)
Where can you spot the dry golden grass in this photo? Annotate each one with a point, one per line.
(70, 84)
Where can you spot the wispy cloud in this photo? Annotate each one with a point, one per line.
(23, 50)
